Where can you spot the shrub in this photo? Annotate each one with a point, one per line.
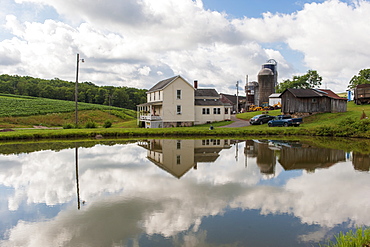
(107, 124)
(90, 125)
(68, 126)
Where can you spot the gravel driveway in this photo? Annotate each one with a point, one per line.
(237, 123)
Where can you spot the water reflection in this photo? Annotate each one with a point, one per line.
(291, 155)
(178, 156)
(361, 162)
(206, 193)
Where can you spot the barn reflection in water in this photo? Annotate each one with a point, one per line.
(177, 157)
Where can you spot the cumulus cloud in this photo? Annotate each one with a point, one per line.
(118, 39)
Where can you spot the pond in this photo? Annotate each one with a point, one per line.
(172, 192)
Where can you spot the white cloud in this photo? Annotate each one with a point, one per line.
(118, 39)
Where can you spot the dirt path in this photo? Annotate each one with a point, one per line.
(237, 123)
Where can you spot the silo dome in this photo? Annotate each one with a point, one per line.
(266, 71)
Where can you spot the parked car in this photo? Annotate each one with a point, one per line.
(285, 120)
(260, 119)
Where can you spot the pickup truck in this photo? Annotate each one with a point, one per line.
(285, 120)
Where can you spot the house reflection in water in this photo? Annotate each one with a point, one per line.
(178, 156)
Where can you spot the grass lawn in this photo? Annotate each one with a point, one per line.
(124, 124)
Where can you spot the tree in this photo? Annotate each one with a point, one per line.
(310, 80)
(363, 77)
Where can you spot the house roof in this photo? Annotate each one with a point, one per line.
(210, 102)
(206, 93)
(164, 83)
(232, 98)
(312, 93)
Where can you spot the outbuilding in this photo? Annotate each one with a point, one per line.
(310, 101)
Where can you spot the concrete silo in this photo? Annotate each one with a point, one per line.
(267, 81)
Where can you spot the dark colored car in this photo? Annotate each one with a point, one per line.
(260, 119)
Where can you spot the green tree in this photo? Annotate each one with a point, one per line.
(363, 77)
(310, 80)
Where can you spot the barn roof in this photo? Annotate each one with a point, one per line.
(363, 86)
(312, 93)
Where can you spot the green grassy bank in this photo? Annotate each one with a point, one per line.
(358, 238)
(18, 113)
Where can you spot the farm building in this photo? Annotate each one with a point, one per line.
(309, 101)
(231, 99)
(362, 94)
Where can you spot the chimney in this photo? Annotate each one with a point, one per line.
(195, 84)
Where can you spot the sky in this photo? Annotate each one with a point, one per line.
(136, 43)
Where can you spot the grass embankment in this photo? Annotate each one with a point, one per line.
(359, 238)
(26, 112)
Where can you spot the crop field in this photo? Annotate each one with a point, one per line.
(16, 106)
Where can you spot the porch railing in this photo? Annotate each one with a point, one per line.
(150, 118)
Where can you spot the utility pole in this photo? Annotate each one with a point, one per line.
(237, 97)
(76, 87)
(246, 93)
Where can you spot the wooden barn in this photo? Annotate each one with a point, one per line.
(310, 101)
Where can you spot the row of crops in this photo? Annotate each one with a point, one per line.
(14, 106)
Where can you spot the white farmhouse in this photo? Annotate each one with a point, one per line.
(174, 102)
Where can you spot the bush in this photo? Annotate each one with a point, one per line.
(90, 125)
(68, 126)
(107, 124)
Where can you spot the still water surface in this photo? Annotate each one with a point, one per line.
(182, 193)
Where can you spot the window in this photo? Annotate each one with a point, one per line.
(216, 110)
(178, 144)
(178, 159)
(226, 110)
(154, 96)
(159, 95)
(178, 94)
(205, 111)
(314, 100)
(178, 109)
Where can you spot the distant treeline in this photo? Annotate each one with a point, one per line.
(88, 92)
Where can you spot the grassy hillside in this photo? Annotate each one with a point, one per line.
(23, 111)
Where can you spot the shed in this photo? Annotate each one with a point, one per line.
(274, 99)
(310, 101)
